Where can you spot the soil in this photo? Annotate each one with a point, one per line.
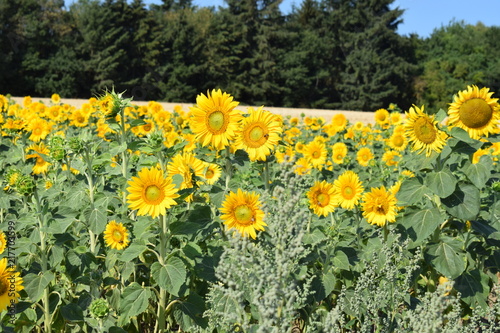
(365, 117)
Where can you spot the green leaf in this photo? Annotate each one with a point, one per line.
(171, 276)
(36, 284)
(411, 191)
(423, 223)
(72, 312)
(314, 237)
(189, 313)
(464, 203)
(462, 135)
(328, 280)
(474, 288)
(96, 219)
(442, 183)
(340, 260)
(479, 173)
(135, 300)
(132, 252)
(446, 260)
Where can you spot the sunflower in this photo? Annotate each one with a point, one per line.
(41, 165)
(364, 156)
(391, 157)
(39, 129)
(3, 242)
(214, 119)
(382, 117)
(116, 235)
(422, 132)
(476, 157)
(187, 165)
(475, 111)
(315, 152)
(55, 98)
(339, 152)
(302, 166)
(259, 134)
(212, 173)
(241, 210)
(348, 189)
(322, 198)
(397, 141)
(10, 285)
(379, 206)
(151, 193)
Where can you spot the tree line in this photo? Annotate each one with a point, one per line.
(334, 54)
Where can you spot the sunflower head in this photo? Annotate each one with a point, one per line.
(10, 284)
(116, 235)
(379, 206)
(322, 198)
(348, 189)
(214, 119)
(151, 193)
(475, 111)
(422, 132)
(241, 211)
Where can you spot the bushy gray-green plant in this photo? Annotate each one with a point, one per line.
(264, 283)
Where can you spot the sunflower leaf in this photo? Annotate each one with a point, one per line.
(464, 203)
(479, 173)
(446, 260)
(442, 183)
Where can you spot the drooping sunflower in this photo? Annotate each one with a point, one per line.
(322, 198)
(41, 165)
(348, 189)
(241, 210)
(339, 152)
(364, 156)
(10, 285)
(315, 152)
(475, 111)
(116, 235)
(259, 133)
(151, 193)
(422, 131)
(379, 206)
(214, 119)
(3, 242)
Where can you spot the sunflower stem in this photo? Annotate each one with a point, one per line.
(44, 264)
(162, 301)
(229, 167)
(266, 175)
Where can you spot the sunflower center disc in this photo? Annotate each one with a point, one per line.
(475, 113)
(153, 192)
(398, 141)
(380, 209)
(39, 161)
(256, 134)
(316, 154)
(209, 174)
(117, 236)
(424, 130)
(216, 120)
(348, 192)
(3, 286)
(37, 131)
(323, 199)
(243, 214)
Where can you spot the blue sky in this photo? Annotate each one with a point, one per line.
(421, 16)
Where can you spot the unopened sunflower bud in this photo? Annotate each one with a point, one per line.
(496, 186)
(25, 185)
(76, 145)
(56, 146)
(99, 308)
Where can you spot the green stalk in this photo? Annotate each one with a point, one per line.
(266, 175)
(90, 181)
(162, 302)
(229, 168)
(44, 264)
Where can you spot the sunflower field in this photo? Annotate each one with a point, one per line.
(116, 217)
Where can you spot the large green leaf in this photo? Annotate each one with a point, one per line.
(35, 284)
(446, 259)
(189, 313)
(135, 300)
(72, 312)
(132, 252)
(479, 173)
(442, 183)
(473, 287)
(423, 223)
(464, 203)
(411, 191)
(171, 276)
